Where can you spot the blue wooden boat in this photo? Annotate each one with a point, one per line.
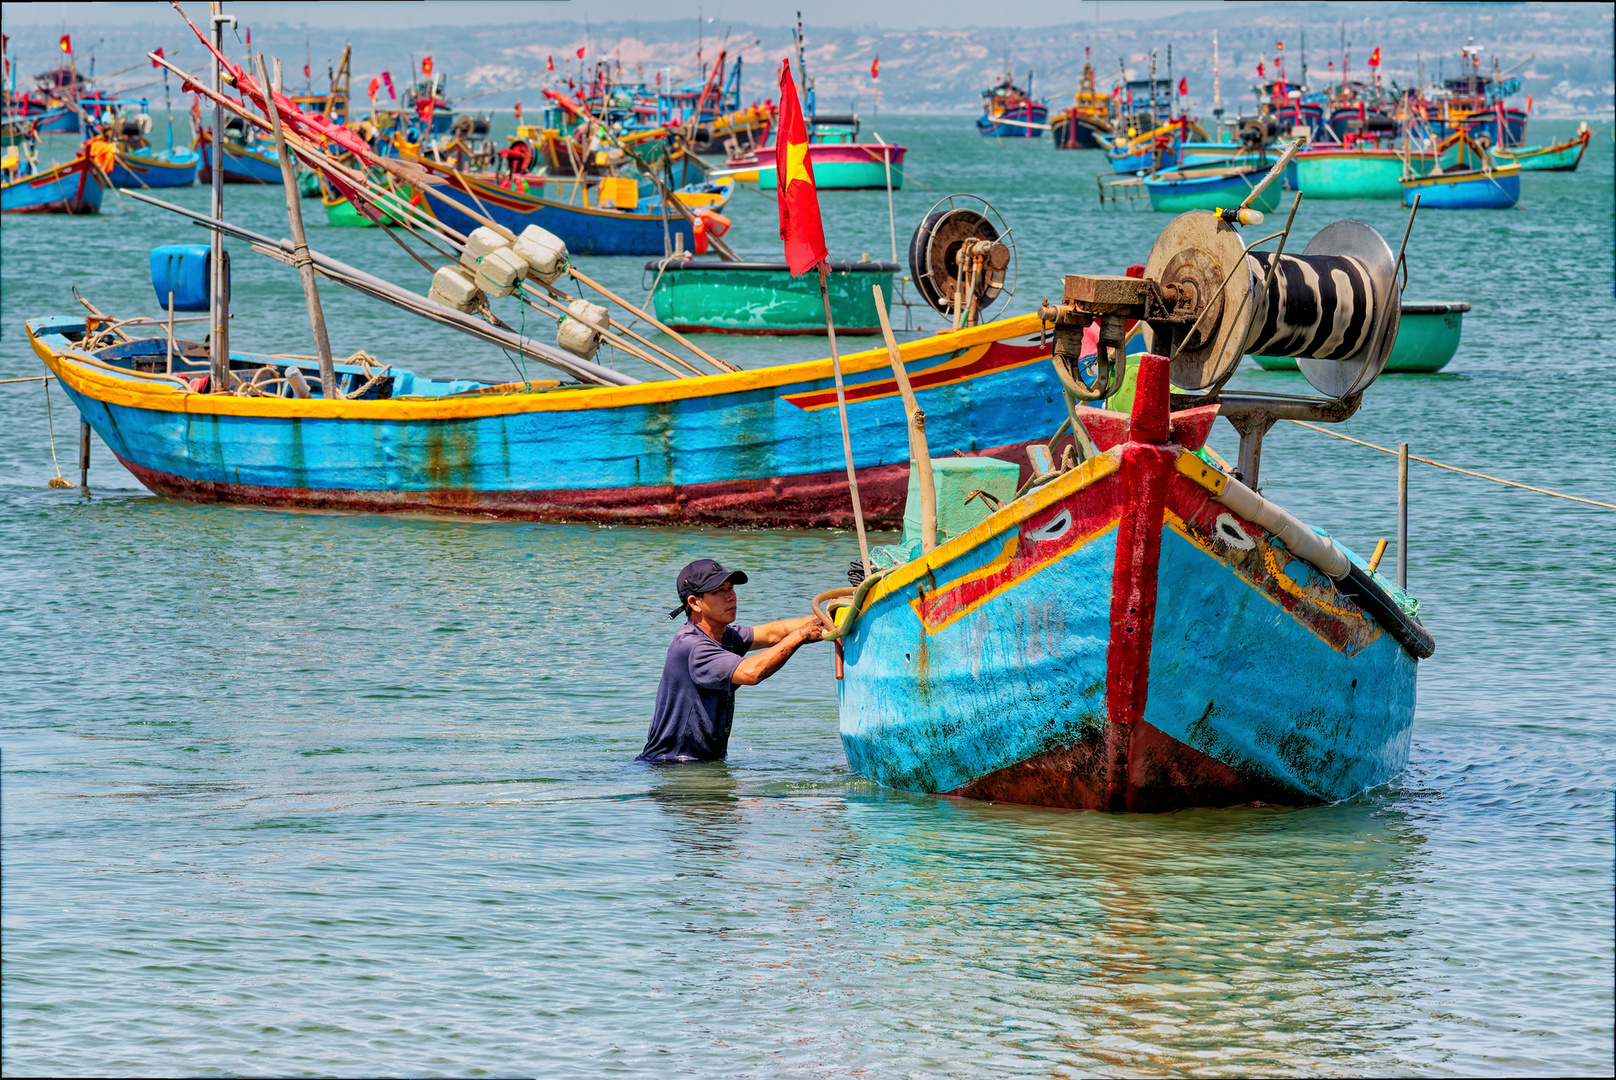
(647, 229)
(757, 447)
(151, 168)
(1141, 633)
(1008, 111)
(1498, 188)
(247, 160)
(72, 188)
(1153, 150)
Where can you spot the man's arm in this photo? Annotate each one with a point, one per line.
(754, 669)
(772, 633)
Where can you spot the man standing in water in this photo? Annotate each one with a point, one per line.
(695, 703)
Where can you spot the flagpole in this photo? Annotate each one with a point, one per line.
(841, 409)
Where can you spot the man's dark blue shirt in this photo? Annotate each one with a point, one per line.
(695, 702)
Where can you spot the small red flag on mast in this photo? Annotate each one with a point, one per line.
(1183, 87)
(157, 52)
(67, 43)
(800, 227)
(426, 67)
(875, 67)
(1374, 57)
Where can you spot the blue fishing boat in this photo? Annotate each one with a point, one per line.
(622, 220)
(1156, 149)
(1137, 629)
(152, 168)
(72, 188)
(1473, 183)
(1008, 111)
(756, 447)
(248, 159)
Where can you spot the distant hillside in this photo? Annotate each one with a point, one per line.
(1563, 53)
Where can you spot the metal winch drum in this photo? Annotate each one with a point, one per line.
(1335, 307)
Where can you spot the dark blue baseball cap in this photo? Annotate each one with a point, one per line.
(703, 576)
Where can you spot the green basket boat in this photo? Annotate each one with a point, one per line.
(1427, 338)
(1359, 173)
(703, 296)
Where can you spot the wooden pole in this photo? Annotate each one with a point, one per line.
(1402, 515)
(300, 244)
(721, 365)
(847, 440)
(919, 452)
(84, 454)
(219, 304)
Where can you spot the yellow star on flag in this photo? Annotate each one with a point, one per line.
(796, 163)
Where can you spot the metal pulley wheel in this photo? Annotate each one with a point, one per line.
(1361, 243)
(962, 253)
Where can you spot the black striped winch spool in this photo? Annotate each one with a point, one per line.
(1319, 307)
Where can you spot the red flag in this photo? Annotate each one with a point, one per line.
(580, 52)
(1279, 46)
(387, 81)
(306, 74)
(875, 67)
(249, 39)
(1374, 57)
(157, 52)
(426, 67)
(1183, 86)
(549, 63)
(1260, 70)
(800, 227)
(375, 87)
(67, 43)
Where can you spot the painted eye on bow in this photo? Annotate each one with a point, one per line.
(1230, 532)
(1053, 529)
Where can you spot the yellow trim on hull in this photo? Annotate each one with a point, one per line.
(115, 390)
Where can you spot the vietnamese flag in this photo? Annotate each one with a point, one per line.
(1259, 69)
(549, 63)
(1183, 87)
(875, 67)
(426, 67)
(157, 52)
(67, 43)
(375, 87)
(800, 227)
(1374, 57)
(387, 81)
(580, 52)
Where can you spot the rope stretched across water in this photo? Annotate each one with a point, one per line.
(1455, 468)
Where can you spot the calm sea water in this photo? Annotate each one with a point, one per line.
(316, 793)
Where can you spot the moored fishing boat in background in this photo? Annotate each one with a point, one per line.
(1008, 111)
(1563, 156)
(1080, 126)
(70, 188)
(1474, 182)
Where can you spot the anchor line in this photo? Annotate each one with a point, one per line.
(1455, 468)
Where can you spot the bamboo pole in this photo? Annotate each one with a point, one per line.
(847, 440)
(611, 338)
(555, 294)
(721, 365)
(919, 452)
(300, 242)
(1402, 515)
(218, 302)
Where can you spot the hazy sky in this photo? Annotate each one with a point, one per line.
(346, 15)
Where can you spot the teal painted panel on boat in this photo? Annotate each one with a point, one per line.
(955, 480)
(765, 298)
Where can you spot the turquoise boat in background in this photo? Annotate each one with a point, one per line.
(1556, 157)
(1427, 338)
(707, 296)
(1361, 172)
(1210, 189)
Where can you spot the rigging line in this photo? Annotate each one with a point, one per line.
(1455, 468)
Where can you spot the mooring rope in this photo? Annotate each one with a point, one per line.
(1455, 468)
(57, 481)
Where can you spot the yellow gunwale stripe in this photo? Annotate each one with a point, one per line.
(119, 391)
(1090, 472)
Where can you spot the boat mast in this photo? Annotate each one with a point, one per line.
(1154, 118)
(1172, 87)
(218, 284)
(1217, 87)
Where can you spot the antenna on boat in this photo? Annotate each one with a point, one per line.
(218, 269)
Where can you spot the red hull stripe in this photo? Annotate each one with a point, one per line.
(817, 500)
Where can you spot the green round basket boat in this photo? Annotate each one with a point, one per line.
(1427, 338)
